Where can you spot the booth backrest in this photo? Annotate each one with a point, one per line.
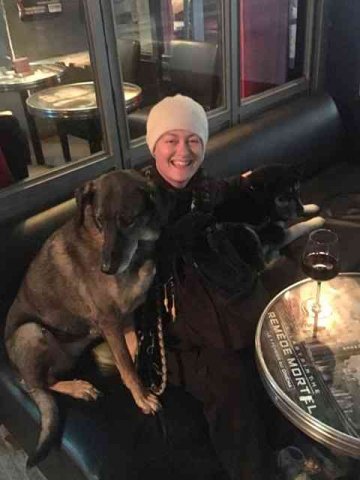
(307, 130)
(19, 243)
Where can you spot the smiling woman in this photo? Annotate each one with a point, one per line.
(177, 133)
(211, 295)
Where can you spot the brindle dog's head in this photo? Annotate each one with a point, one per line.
(126, 209)
(280, 186)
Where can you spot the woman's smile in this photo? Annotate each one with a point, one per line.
(178, 155)
(181, 163)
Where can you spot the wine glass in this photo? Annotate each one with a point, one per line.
(320, 261)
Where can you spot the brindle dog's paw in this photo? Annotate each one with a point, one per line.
(79, 389)
(147, 270)
(148, 402)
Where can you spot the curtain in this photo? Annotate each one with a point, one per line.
(264, 33)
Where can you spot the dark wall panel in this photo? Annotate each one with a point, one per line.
(47, 36)
(343, 73)
(343, 61)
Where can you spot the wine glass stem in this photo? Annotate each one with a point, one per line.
(317, 299)
(316, 309)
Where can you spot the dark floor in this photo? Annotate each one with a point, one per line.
(79, 149)
(304, 460)
(12, 460)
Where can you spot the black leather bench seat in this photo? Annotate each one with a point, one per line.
(111, 439)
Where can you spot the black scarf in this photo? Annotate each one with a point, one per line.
(195, 239)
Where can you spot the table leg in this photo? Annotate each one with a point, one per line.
(34, 135)
(62, 132)
(94, 135)
(65, 147)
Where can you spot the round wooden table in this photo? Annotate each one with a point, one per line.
(313, 377)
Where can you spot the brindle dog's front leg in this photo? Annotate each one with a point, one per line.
(114, 335)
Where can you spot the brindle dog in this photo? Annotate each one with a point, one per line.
(83, 285)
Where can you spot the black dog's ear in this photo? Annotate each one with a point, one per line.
(163, 200)
(258, 179)
(84, 195)
(151, 190)
(274, 177)
(299, 170)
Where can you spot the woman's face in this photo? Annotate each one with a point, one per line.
(178, 155)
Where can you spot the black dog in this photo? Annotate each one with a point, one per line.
(83, 285)
(276, 191)
(267, 201)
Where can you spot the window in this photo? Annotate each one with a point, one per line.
(235, 57)
(49, 113)
(272, 38)
(167, 47)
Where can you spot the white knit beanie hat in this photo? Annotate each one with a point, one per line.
(176, 113)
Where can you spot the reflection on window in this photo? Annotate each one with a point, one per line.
(271, 43)
(48, 113)
(167, 47)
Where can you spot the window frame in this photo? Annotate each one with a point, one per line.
(137, 152)
(249, 106)
(36, 194)
(32, 195)
(235, 110)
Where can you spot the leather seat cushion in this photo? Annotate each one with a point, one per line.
(111, 438)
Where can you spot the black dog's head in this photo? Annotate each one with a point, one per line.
(125, 208)
(279, 187)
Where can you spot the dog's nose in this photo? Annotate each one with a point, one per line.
(106, 267)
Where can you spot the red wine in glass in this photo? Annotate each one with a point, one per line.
(320, 266)
(320, 261)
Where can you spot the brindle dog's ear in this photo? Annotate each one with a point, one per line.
(84, 195)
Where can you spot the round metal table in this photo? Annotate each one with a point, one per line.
(76, 101)
(41, 76)
(314, 377)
